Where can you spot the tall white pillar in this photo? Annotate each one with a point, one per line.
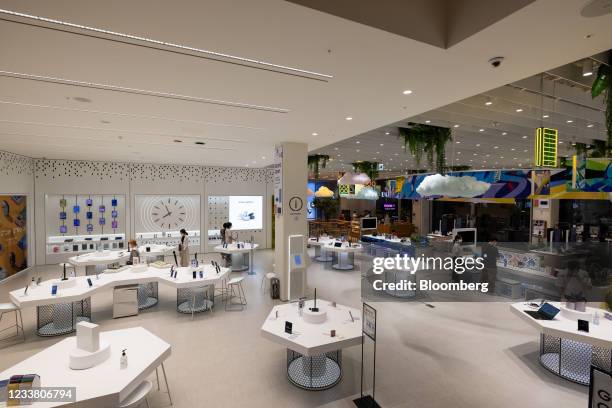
(291, 178)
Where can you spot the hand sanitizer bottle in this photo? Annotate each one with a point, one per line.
(123, 362)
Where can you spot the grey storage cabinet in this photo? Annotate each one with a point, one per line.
(125, 301)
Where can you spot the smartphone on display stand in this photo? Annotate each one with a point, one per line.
(25, 291)
(54, 290)
(194, 274)
(201, 274)
(89, 282)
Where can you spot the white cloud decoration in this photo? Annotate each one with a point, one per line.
(452, 186)
(324, 192)
(354, 178)
(367, 193)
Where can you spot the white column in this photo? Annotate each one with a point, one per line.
(292, 217)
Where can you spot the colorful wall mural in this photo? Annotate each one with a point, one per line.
(592, 181)
(13, 235)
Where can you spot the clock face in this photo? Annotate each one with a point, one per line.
(168, 214)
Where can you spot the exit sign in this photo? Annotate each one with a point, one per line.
(546, 147)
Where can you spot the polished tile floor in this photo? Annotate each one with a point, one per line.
(457, 354)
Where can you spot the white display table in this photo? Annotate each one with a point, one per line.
(345, 255)
(156, 251)
(566, 351)
(106, 384)
(319, 245)
(89, 261)
(58, 314)
(242, 258)
(314, 358)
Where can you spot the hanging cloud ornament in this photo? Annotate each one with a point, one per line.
(452, 186)
(354, 178)
(367, 193)
(324, 192)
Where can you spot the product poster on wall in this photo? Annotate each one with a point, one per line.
(13, 235)
(311, 211)
(245, 212)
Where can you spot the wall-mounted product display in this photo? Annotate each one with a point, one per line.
(218, 213)
(246, 212)
(159, 218)
(78, 223)
(13, 235)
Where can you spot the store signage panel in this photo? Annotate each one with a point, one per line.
(546, 147)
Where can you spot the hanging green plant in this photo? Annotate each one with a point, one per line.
(316, 161)
(458, 168)
(581, 149)
(599, 148)
(603, 84)
(367, 167)
(420, 138)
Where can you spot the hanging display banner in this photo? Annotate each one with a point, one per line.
(600, 388)
(278, 179)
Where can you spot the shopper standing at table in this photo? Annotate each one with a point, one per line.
(226, 238)
(490, 253)
(134, 253)
(184, 248)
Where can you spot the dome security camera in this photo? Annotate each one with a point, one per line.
(496, 61)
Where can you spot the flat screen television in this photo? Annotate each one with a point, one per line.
(369, 223)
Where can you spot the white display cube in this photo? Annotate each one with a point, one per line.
(88, 336)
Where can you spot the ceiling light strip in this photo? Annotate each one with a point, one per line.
(130, 115)
(136, 91)
(202, 52)
(16, 122)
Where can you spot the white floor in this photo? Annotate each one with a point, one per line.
(456, 354)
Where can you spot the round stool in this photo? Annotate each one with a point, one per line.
(138, 395)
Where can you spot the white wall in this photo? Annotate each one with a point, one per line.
(17, 177)
(40, 177)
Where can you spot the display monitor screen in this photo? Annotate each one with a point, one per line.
(368, 223)
(246, 212)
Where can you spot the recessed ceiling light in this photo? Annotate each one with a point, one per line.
(357, 150)
(455, 126)
(428, 121)
(458, 142)
(560, 141)
(471, 160)
(477, 144)
(524, 137)
(512, 149)
(488, 155)
(504, 133)
(496, 147)
(515, 158)
(590, 125)
(458, 152)
(335, 148)
(501, 157)
(387, 133)
(474, 154)
(397, 154)
(544, 116)
(358, 142)
(519, 110)
(407, 92)
(481, 130)
(489, 102)
(525, 151)
(315, 134)
(382, 144)
(569, 121)
(349, 118)
(264, 158)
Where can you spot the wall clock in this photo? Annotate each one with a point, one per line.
(168, 213)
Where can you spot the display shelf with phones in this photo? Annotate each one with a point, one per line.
(64, 244)
(170, 238)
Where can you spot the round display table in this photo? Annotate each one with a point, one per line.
(242, 255)
(344, 256)
(321, 254)
(192, 300)
(147, 295)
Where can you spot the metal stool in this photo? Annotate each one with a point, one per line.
(234, 288)
(7, 308)
(266, 279)
(137, 396)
